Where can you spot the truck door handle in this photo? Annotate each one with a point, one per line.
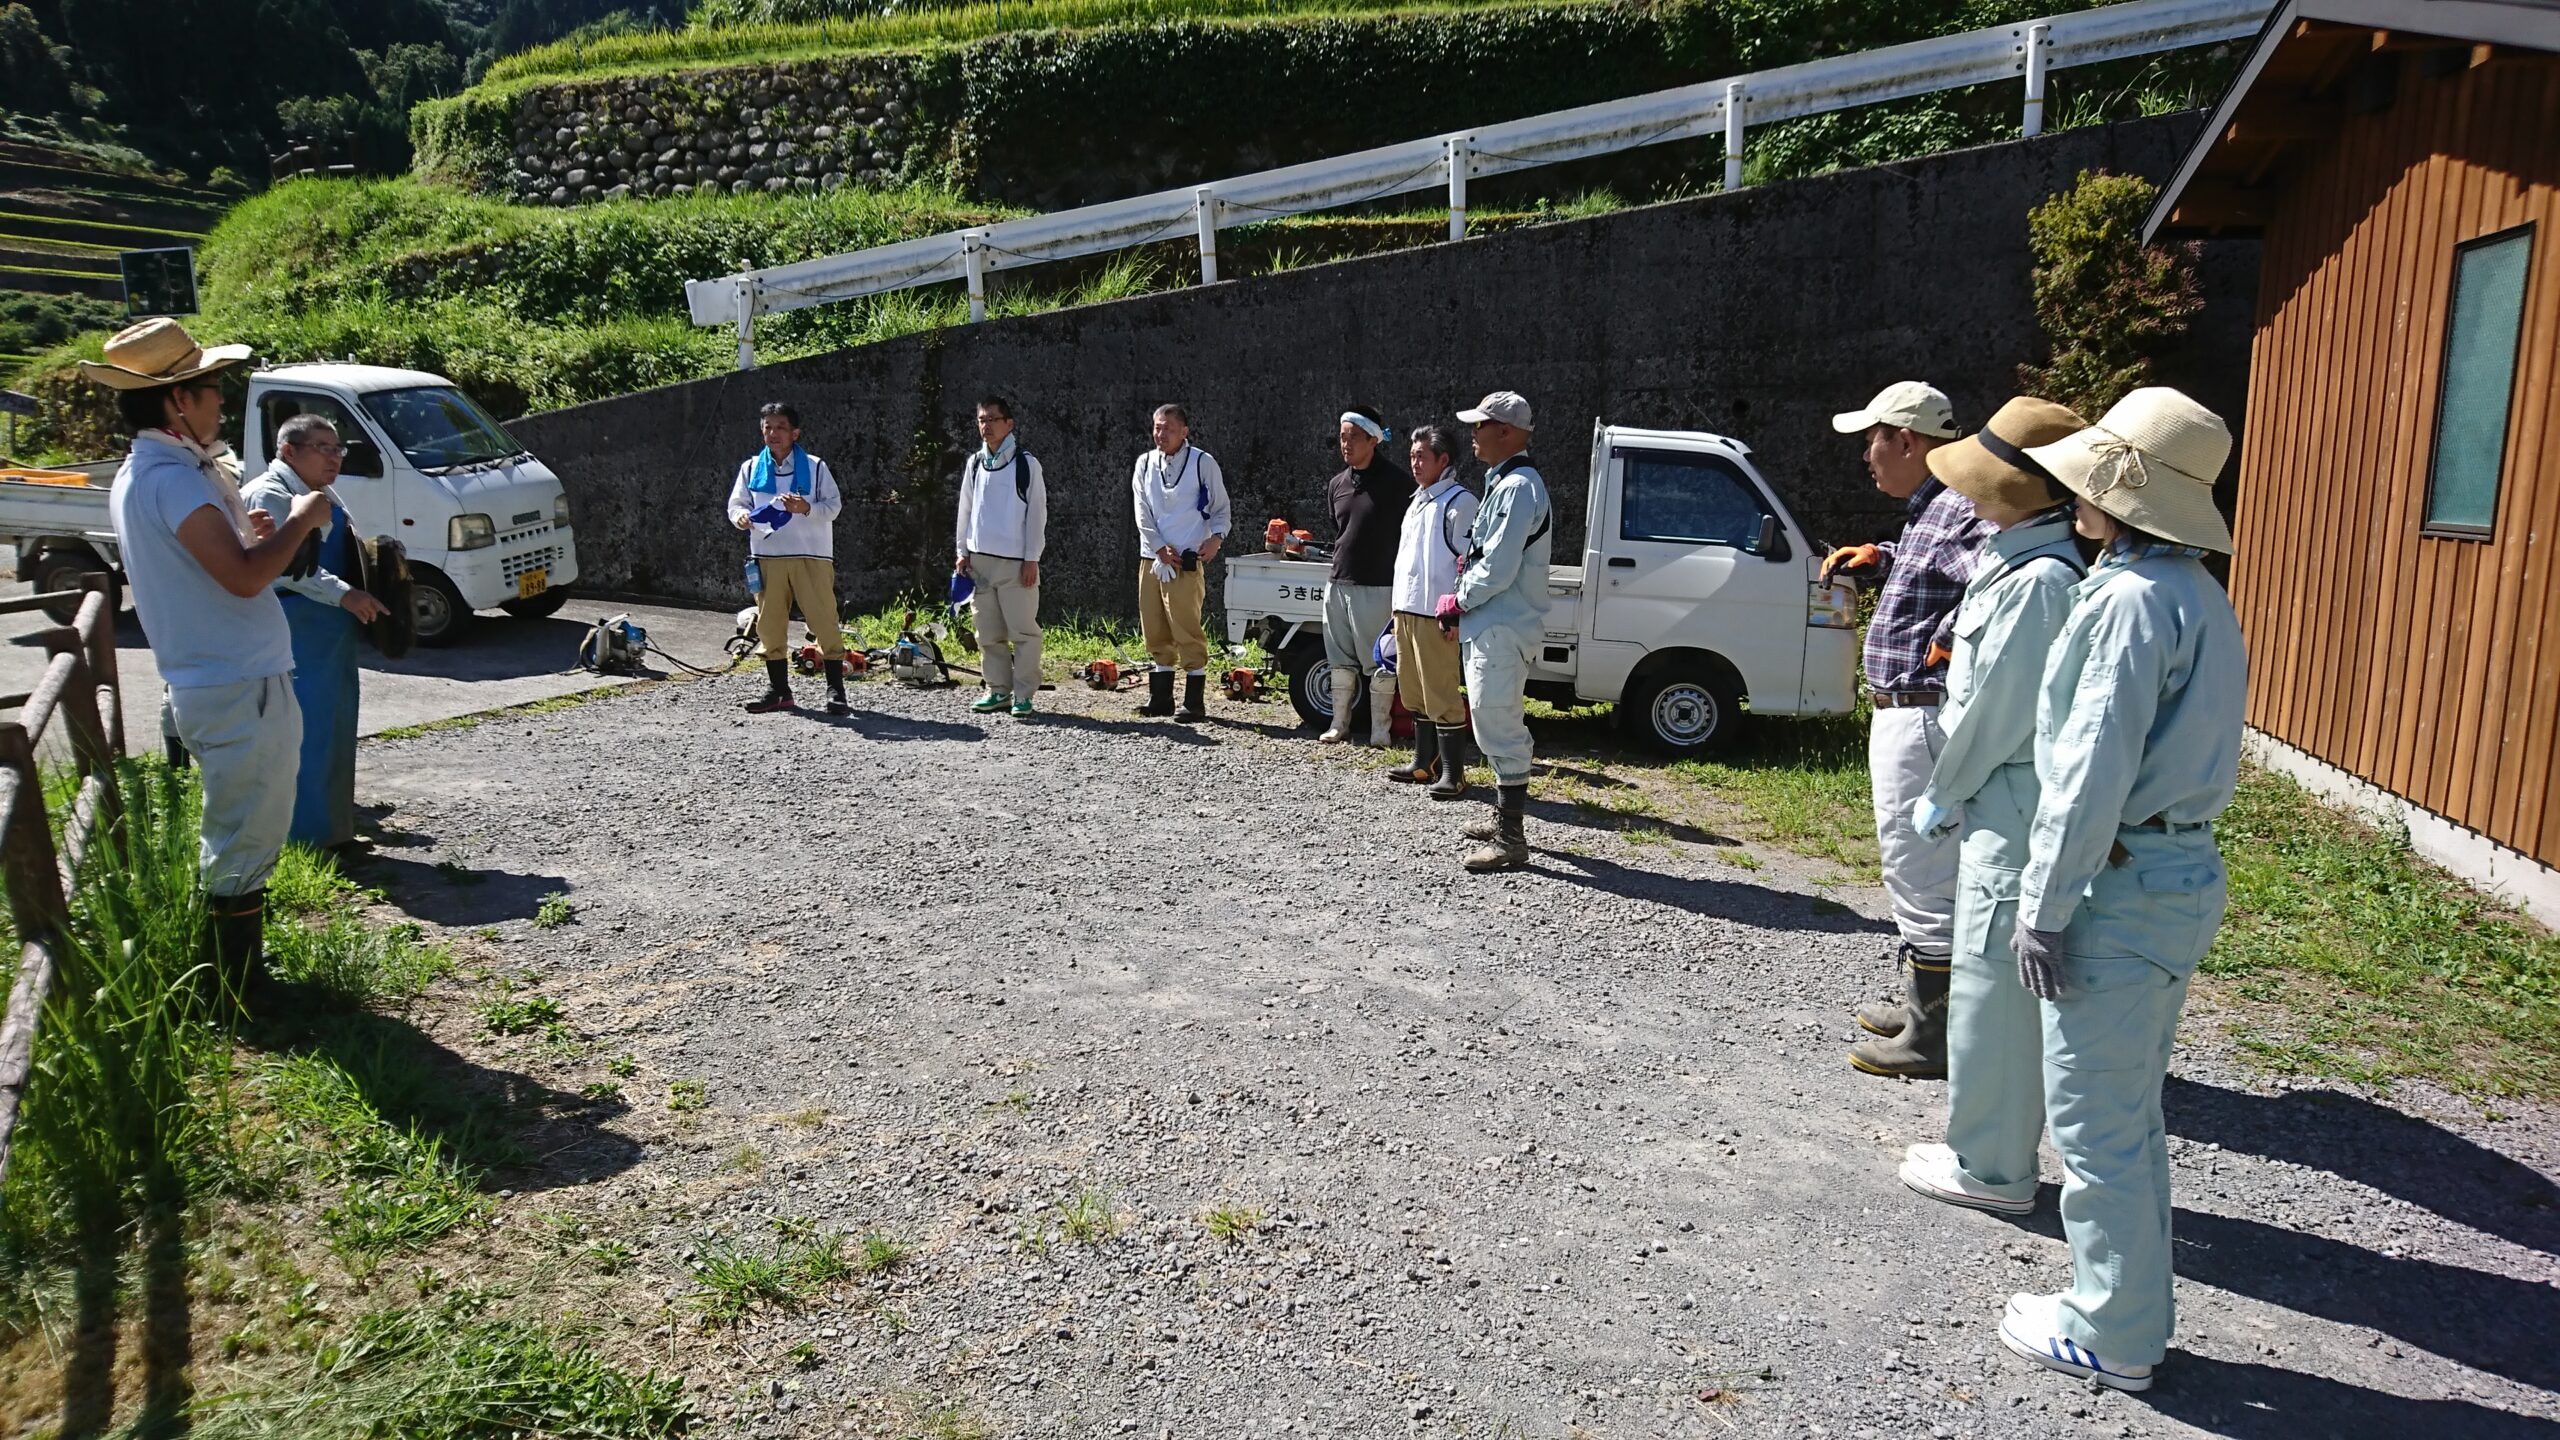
(1622, 562)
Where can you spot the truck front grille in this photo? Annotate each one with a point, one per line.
(523, 550)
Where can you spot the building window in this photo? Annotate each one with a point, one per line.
(2482, 322)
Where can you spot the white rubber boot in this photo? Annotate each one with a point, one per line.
(1346, 687)
(1382, 709)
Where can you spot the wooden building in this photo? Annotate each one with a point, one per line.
(2398, 516)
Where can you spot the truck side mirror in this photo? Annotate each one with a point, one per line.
(1771, 543)
(360, 458)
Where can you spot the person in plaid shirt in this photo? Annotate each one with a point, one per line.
(1907, 646)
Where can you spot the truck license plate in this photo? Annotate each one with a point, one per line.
(532, 582)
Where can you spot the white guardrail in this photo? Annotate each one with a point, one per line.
(1948, 62)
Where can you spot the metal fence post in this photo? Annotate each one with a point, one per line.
(1208, 208)
(1733, 136)
(2039, 49)
(973, 257)
(1456, 146)
(746, 324)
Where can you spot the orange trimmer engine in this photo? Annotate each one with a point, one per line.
(1243, 683)
(1101, 674)
(1275, 536)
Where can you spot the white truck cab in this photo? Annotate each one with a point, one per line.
(485, 524)
(1696, 599)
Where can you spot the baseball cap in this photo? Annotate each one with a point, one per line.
(1912, 405)
(1501, 406)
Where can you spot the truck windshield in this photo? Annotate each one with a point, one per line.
(439, 428)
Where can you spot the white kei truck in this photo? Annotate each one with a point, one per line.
(485, 524)
(1697, 599)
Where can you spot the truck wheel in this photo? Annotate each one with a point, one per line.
(540, 607)
(61, 570)
(442, 617)
(1683, 711)
(1310, 683)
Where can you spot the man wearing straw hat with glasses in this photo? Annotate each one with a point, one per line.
(200, 563)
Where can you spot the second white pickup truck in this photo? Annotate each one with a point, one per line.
(485, 524)
(1696, 599)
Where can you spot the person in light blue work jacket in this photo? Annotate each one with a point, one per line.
(1984, 783)
(324, 609)
(1498, 609)
(2137, 750)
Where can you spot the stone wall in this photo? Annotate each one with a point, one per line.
(1756, 314)
(805, 126)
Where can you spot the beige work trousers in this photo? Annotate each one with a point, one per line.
(1427, 671)
(1169, 616)
(1008, 624)
(808, 582)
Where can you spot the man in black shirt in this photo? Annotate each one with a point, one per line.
(1368, 501)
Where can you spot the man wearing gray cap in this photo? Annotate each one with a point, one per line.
(1908, 642)
(1500, 601)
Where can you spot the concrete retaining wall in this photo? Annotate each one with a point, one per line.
(1757, 314)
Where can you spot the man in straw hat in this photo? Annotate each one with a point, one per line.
(200, 564)
(1499, 609)
(1923, 575)
(2137, 749)
(1984, 785)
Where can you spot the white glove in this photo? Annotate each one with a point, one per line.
(1932, 822)
(1165, 573)
(2039, 961)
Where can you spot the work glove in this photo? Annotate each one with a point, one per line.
(2039, 961)
(1851, 557)
(1934, 821)
(1447, 613)
(1165, 573)
(1938, 655)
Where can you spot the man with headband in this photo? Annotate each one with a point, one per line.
(1368, 500)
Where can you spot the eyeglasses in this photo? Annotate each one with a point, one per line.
(330, 447)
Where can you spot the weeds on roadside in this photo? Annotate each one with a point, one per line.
(1233, 1224)
(734, 1279)
(1086, 1217)
(555, 910)
(508, 1013)
(687, 1095)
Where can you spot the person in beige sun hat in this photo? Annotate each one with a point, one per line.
(2137, 751)
(200, 565)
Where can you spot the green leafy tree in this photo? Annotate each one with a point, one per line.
(2107, 303)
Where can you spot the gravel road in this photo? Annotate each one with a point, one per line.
(1569, 1152)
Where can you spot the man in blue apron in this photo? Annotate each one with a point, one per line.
(324, 610)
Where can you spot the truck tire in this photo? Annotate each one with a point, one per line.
(1683, 710)
(61, 569)
(1310, 682)
(442, 615)
(540, 607)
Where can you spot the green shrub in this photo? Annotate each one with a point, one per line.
(2107, 303)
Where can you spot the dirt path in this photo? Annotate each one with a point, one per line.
(1568, 1148)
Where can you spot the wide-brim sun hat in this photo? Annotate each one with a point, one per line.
(2150, 462)
(1991, 466)
(156, 352)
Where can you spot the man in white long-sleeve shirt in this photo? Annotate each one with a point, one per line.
(786, 500)
(1004, 525)
(1183, 517)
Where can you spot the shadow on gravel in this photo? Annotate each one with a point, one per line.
(2355, 1139)
(2493, 1323)
(1291, 729)
(457, 897)
(874, 725)
(1727, 899)
(2261, 1402)
(1134, 725)
(1559, 813)
(500, 648)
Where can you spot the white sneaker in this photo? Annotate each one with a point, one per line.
(1932, 1170)
(2029, 1329)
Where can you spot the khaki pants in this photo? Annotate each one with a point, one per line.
(1169, 616)
(810, 583)
(1427, 671)
(247, 740)
(1008, 624)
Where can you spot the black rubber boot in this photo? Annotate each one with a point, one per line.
(1509, 849)
(1159, 693)
(1426, 757)
(1452, 784)
(777, 692)
(1920, 1051)
(239, 950)
(1886, 1017)
(836, 703)
(1195, 698)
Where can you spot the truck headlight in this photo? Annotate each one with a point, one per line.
(560, 510)
(469, 532)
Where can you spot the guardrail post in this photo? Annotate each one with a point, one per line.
(1456, 146)
(746, 324)
(100, 640)
(1208, 208)
(2039, 49)
(973, 258)
(1733, 136)
(36, 901)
